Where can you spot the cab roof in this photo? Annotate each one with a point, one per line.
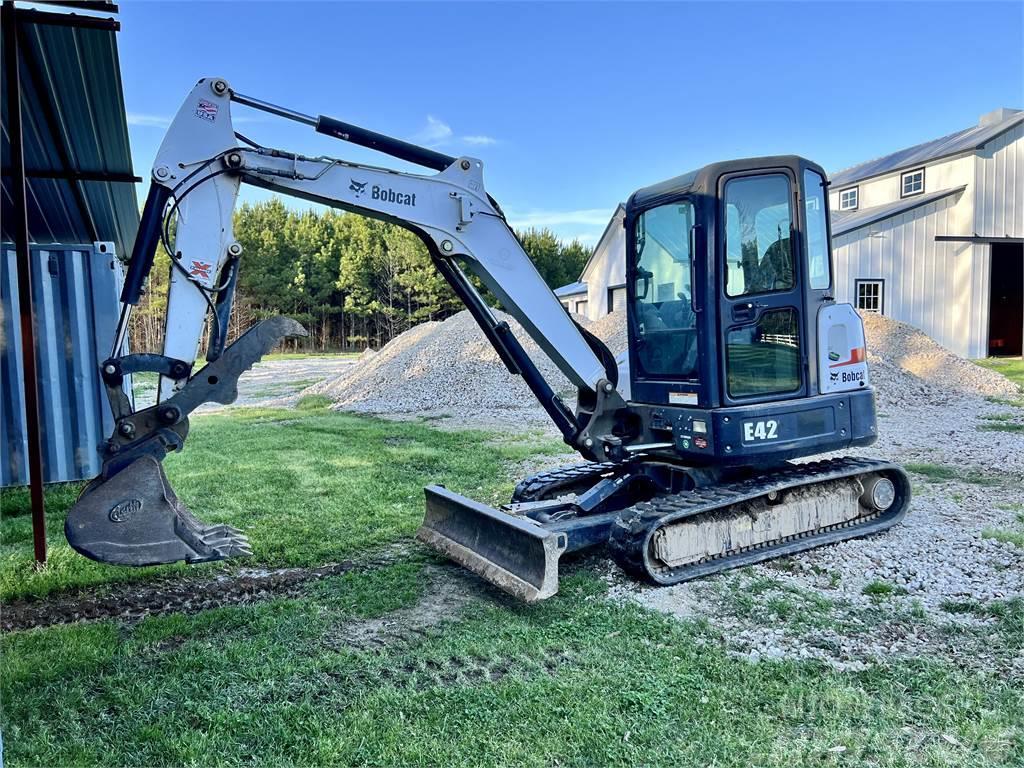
(703, 181)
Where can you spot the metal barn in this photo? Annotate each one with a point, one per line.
(933, 235)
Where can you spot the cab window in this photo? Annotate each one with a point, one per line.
(758, 219)
(666, 324)
(817, 234)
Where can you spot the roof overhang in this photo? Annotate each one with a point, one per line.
(617, 216)
(572, 289)
(844, 224)
(977, 239)
(80, 185)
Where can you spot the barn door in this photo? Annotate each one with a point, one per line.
(1006, 300)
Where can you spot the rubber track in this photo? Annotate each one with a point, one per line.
(542, 485)
(631, 533)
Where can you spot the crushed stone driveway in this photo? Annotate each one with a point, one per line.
(268, 381)
(271, 380)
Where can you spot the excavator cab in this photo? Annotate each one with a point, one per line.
(738, 352)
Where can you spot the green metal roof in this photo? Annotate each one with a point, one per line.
(74, 126)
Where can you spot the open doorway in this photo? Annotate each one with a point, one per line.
(1006, 300)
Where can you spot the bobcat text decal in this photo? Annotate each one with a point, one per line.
(384, 194)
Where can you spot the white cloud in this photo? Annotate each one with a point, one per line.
(148, 121)
(434, 133)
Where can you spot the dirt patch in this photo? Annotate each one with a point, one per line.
(133, 602)
(448, 592)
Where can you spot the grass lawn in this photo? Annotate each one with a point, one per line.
(371, 667)
(1011, 367)
(578, 680)
(307, 488)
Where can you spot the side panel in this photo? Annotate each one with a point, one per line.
(842, 353)
(76, 291)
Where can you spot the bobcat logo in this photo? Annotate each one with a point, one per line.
(359, 187)
(125, 510)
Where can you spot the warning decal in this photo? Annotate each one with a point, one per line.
(201, 269)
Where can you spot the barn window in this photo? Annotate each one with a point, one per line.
(870, 295)
(848, 199)
(566, 305)
(581, 307)
(912, 183)
(616, 298)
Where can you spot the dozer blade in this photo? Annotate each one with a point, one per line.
(134, 518)
(514, 553)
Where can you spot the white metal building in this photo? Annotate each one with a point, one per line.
(601, 288)
(932, 235)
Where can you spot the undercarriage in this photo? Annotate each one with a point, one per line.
(661, 522)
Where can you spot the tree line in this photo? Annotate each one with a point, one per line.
(353, 282)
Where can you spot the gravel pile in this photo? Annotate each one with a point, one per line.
(441, 367)
(611, 329)
(904, 346)
(449, 367)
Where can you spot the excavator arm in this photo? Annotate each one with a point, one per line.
(129, 514)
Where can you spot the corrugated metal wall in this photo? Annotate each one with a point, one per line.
(999, 186)
(935, 286)
(76, 292)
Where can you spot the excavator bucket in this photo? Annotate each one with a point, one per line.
(514, 553)
(129, 515)
(134, 518)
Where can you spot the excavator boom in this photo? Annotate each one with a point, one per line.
(196, 177)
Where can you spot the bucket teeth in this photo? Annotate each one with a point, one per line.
(134, 518)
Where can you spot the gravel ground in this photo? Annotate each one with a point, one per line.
(269, 382)
(923, 587)
(935, 561)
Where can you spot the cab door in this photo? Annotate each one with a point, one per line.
(760, 291)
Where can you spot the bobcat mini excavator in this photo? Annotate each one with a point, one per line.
(739, 361)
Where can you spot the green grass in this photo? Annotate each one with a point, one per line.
(1002, 426)
(757, 596)
(940, 473)
(880, 589)
(307, 488)
(1008, 537)
(313, 402)
(307, 355)
(577, 681)
(1011, 367)
(1001, 422)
